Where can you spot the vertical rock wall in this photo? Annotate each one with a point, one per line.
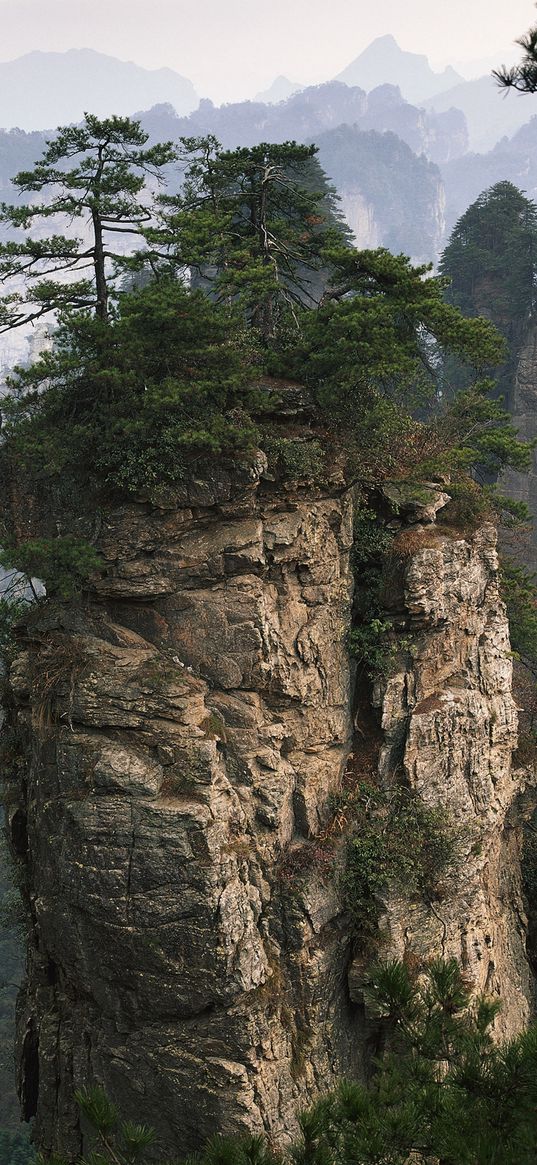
(184, 732)
(187, 727)
(450, 729)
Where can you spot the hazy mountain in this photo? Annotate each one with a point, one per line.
(280, 90)
(513, 160)
(384, 62)
(43, 90)
(313, 110)
(390, 197)
(18, 151)
(490, 113)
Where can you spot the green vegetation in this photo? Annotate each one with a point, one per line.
(115, 1140)
(128, 405)
(66, 561)
(12, 965)
(522, 77)
(103, 187)
(441, 1089)
(253, 224)
(399, 841)
(519, 592)
(136, 399)
(491, 264)
(15, 1148)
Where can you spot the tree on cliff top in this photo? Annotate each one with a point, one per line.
(104, 189)
(253, 224)
(491, 258)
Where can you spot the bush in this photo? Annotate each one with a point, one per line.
(399, 841)
(297, 459)
(64, 563)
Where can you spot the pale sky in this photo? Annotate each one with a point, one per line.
(231, 48)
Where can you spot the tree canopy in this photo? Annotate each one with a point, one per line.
(522, 77)
(247, 272)
(490, 264)
(105, 190)
(491, 258)
(253, 225)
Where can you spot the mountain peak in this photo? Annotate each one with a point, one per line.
(385, 62)
(280, 90)
(53, 88)
(381, 42)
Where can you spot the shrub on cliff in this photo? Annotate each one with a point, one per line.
(134, 400)
(120, 406)
(442, 1090)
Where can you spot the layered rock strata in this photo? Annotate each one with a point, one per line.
(185, 730)
(449, 731)
(188, 728)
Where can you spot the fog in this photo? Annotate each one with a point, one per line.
(232, 48)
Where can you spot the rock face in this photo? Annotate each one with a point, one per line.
(201, 719)
(185, 731)
(360, 216)
(450, 728)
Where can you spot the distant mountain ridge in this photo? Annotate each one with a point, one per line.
(490, 114)
(70, 83)
(312, 111)
(384, 62)
(280, 90)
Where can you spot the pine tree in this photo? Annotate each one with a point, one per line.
(491, 265)
(523, 76)
(253, 226)
(105, 190)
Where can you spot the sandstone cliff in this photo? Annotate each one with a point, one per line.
(183, 731)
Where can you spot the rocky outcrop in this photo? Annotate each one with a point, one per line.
(185, 729)
(189, 728)
(360, 216)
(450, 727)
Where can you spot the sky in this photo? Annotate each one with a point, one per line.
(232, 48)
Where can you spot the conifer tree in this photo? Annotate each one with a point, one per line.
(522, 77)
(253, 225)
(95, 174)
(491, 265)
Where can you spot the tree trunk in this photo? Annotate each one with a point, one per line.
(101, 286)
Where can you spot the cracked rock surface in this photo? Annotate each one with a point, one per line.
(185, 729)
(200, 721)
(450, 728)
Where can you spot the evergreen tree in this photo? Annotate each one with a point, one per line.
(371, 356)
(523, 76)
(491, 264)
(443, 1090)
(105, 189)
(253, 225)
